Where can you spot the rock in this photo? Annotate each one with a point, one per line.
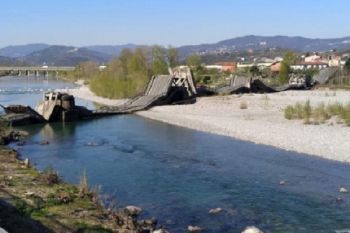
(215, 211)
(2, 230)
(26, 163)
(338, 200)
(283, 182)
(44, 142)
(29, 194)
(194, 229)
(252, 229)
(343, 190)
(133, 210)
(160, 231)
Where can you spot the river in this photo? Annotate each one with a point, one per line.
(177, 175)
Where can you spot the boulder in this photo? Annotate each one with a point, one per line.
(133, 210)
(215, 211)
(194, 229)
(2, 230)
(252, 229)
(343, 190)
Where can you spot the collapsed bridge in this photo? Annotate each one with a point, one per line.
(176, 88)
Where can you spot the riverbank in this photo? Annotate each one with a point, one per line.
(260, 118)
(83, 92)
(33, 201)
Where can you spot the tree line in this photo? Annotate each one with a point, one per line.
(128, 74)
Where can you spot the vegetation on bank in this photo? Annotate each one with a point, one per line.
(127, 75)
(32, 201)
(319, 114)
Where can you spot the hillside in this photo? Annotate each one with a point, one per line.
(252, 42)
(38, 54)
(112, 50)
(15, 51)
(65, 56)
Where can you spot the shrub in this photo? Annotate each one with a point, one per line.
(319, 114)
(50, 177)
(307, 112)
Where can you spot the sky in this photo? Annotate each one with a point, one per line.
(166, 22)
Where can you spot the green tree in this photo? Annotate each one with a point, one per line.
(173, 57)
(86, 70)
(347, 65)
(289, 58)
(254, 70)
(159, 65)
(283, 76)
(193, 61)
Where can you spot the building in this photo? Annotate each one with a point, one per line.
(310, 65)
(223, 66)
(275, 67)
(228, 66)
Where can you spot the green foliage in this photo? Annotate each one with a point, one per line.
(254, 70)
(347, 65)
(307, 112)
(284, 72)
(173, 57)
(123, 77)
(193, 61)
(319, 114)
(50, 176)
(159, 65)
(290, 58)
(128, 75)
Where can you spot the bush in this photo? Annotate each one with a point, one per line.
(289, 112)
(50, 177)
(319, 114)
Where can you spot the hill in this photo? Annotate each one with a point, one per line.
(258, 43)
(112, 50)
(65, 56)
(15, 51)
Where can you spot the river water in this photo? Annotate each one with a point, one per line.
(177, 175)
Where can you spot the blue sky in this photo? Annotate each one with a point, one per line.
(167, 22)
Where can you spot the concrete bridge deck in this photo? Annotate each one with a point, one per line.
(37, 68)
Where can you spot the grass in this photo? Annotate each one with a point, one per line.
(41, 199)
(318, 114)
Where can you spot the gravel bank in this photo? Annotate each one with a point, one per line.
(263, 121)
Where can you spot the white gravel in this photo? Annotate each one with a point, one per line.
(263, 121)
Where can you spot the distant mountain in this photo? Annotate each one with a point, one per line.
(65, 56)
(112, 50)
(38, 54)
(21, 50)
(255, 43)
(9, 61)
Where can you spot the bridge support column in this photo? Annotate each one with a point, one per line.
(37, 73)
(46, 73)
